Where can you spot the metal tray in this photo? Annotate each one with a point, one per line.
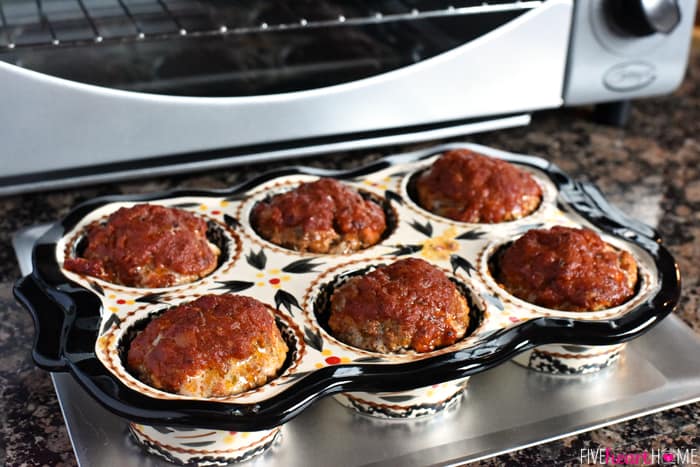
(505, 408)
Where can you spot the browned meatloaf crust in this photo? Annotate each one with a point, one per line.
(567, 269)
(147, 246)
(324, 216)
(469, 187)
(409, 304)
(217, 345)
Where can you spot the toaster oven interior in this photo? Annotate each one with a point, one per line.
(224, 48)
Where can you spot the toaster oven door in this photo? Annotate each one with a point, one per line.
(100, 88)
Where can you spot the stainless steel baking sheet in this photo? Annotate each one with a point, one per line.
(504, 409)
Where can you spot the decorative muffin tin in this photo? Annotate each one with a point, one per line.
(82, 323)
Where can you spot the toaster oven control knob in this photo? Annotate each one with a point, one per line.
(644, 17)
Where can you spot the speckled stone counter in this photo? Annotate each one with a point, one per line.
(651, 170)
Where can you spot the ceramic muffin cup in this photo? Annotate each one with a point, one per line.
(247, 209)
(570, 359)
(199, 446)
(415, 403)
(218, 234)
(410, 190)
(195, 446)
(562, 359)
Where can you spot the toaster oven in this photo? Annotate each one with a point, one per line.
(104, 89)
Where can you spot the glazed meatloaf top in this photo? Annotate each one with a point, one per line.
(324, 216)
(147, 246)
(469, 187)
(216, 345)
(567, 269)
(409, 304)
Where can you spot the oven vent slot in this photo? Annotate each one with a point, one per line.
(70, 23)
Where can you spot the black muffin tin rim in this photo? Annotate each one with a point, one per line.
(61, 308)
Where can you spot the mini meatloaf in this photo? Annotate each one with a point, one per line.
(324, 216)
(217, 345)
(567, 269)
(469, 187)
(409, 304)
(147, 246)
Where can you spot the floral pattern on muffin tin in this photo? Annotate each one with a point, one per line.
(287, 281)
(418, 403)
(203, 447)
(570, 359)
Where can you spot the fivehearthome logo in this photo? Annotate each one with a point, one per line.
(607, 456)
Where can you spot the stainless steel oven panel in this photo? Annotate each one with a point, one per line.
(52, 124)
(78, 178)
(607, 64)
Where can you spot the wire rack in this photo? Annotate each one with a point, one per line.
(61, 23)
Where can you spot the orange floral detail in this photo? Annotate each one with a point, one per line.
(442, 246)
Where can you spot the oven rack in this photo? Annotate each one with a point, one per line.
(70, 23)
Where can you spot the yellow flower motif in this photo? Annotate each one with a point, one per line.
(274, 278)
(378, 184)
(442, 246)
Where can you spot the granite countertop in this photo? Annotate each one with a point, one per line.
(651, 170)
